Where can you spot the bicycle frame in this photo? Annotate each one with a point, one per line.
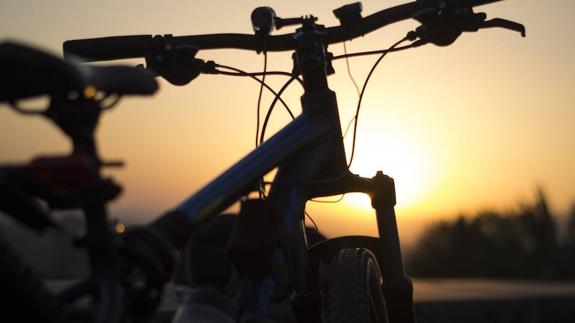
(310, 157)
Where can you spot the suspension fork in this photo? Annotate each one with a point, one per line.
(397, 286)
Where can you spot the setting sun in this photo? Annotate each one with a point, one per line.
(403, 155)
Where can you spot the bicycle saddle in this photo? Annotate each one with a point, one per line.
(27, 72)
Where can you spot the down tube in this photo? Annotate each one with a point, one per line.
(229, 186)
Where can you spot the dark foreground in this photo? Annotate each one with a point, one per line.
(556, 309)
(470, 301)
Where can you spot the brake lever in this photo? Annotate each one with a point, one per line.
(444, 29)
(503, 23)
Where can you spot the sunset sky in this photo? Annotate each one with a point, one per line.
(479, 124)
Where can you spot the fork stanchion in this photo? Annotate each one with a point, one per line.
(397, 286)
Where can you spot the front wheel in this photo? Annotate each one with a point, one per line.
(354, 289)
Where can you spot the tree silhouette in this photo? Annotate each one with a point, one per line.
(516, 244)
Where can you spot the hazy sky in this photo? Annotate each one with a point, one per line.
(479, 124)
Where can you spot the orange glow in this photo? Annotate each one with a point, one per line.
(404, 161)
(473, 125)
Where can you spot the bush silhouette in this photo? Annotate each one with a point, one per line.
(519, 244)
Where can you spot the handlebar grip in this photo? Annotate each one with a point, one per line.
(109, 48)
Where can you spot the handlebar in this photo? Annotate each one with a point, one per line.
(137, 46)
(175, 225)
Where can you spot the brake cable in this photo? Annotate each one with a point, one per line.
(271, 108)
(393, 48)
(257, 73)
(261, 185)
(277, 95)
(381, 51)
(356, 117)
(260, 96)
(252, 76)
(346, 55)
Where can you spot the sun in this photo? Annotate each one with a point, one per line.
(407, 160)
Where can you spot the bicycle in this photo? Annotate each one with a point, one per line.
(310, 156)
(78, 95)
